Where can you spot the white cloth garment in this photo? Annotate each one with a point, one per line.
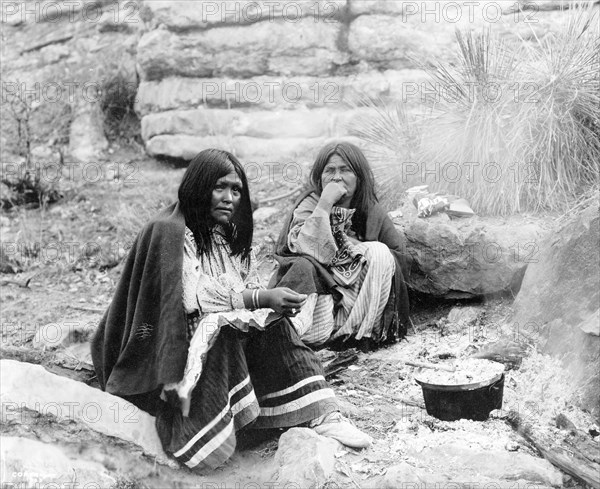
(208, 285)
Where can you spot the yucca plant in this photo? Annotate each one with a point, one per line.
(393, 139)
(510, 127)
(565, 123)
(474, 145)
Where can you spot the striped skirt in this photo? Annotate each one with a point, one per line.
(360, 311)
(259, 379)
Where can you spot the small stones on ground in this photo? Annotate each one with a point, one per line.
(76, 356)
(498, 414)
(464, 314)
(512, 446)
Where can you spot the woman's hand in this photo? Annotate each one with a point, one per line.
(282, 300)
(332, 194)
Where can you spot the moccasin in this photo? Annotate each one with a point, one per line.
(336, 426)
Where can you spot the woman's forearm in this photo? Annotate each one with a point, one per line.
(255, 299)
(313, 237)
(323, 206)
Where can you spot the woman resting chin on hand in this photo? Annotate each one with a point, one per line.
(192, 337)
(341, 249)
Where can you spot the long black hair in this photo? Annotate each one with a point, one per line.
(365, 194)
(195, 194)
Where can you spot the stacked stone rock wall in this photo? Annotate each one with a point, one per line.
(271, 77)
(280, 78)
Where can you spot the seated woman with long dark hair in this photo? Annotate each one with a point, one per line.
(339, 247)
(193, 338)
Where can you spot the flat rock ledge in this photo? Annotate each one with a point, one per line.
(28, 386)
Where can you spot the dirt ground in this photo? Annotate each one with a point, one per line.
(70, 259)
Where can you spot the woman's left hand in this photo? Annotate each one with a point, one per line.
(283, 300)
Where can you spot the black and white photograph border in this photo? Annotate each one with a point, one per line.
(299, 244)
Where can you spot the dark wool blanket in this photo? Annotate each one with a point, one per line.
(141, 342)
(305, 275)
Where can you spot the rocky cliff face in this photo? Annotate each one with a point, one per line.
(256, 77)
(279, 78)
(57, 58)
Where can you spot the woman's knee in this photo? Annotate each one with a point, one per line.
(318, 334)
(378, 252)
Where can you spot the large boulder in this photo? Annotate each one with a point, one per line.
(388, 41)
(29, 386)
(400, 34)
(447, 10)
(185, 147)
(304, 459)
(180, 15)
(260, 124)
(272, 92)
(561, 288)
(558, 304)
(389, 7)
(200, 122)
(49, 13)
(258, 92)
(463, 258)
(242, 51)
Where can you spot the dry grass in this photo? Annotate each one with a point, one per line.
(96, 222)
(589, 198)
(117, 102)
(397, 138)
(565, 124)
(510, 127)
